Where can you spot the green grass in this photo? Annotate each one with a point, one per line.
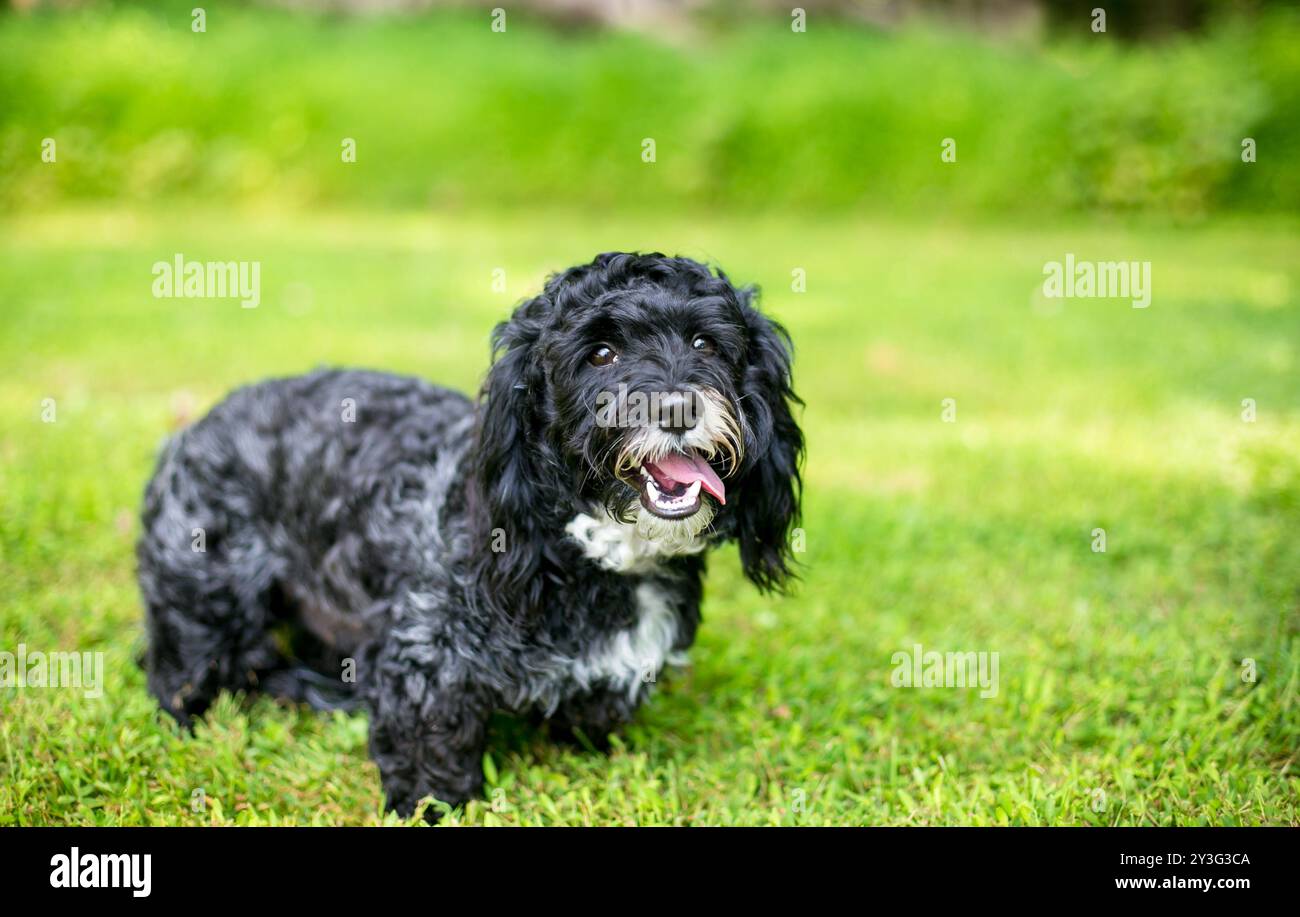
(744, 112)
(1119, 672)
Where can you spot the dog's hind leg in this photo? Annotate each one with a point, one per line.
(203, 637)
(304, 685)
(235, 642)
(207, 578)
(197, 650)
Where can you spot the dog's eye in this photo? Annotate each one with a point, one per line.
(702, 344)
(602, 356)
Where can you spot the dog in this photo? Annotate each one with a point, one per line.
(355, 538)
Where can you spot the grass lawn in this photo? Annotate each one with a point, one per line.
(1121, 697)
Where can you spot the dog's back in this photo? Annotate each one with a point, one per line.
(251, 559)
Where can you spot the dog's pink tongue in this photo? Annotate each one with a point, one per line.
(691, 468)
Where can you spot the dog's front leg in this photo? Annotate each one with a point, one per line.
(596, 714)
(427, 731)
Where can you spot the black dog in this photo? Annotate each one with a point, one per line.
(356, 536)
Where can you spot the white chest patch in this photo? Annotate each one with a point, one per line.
(632, 657)
(625, 660)
(626, 547)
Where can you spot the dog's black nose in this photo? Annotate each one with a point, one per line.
(677, 412)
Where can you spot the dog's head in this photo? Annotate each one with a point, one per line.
(651, 388)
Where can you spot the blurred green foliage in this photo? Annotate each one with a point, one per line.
(446, 112)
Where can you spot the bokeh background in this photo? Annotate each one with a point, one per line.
(846, 117)
(805, 162)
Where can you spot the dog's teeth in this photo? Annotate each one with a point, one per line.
(687, 499)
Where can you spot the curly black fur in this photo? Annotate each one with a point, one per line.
(465, 559)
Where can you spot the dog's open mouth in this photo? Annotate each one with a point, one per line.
(672, 487)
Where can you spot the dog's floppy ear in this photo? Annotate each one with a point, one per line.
(769, 486)
(511, 466)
